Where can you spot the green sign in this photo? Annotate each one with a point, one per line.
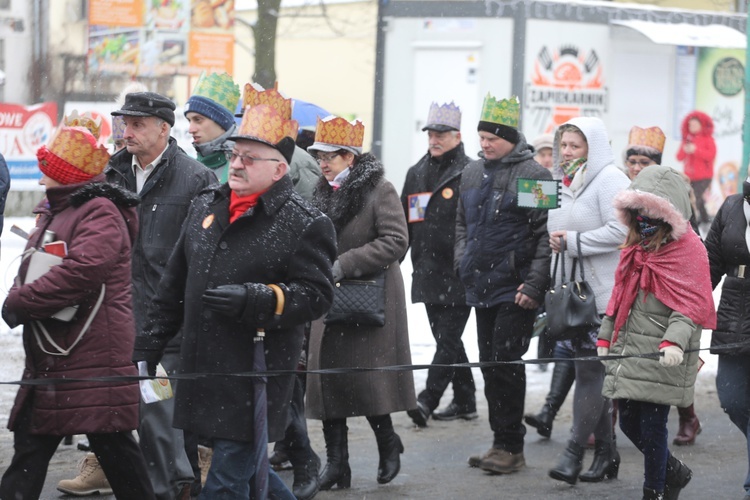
(729, 76)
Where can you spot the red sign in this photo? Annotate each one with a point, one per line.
(23, 130)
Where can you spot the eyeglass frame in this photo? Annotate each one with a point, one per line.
(633, 163)
(328, 159)
(231, 155)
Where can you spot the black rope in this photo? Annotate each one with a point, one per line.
(343, 371)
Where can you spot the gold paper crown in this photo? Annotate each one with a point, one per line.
(505, 112)
(265, 123)
(86, 121)
(219, 88)
(71, 145)
(340, 132)
(651, 137)
(255, 95)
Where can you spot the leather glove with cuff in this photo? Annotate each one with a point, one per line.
(672, 356)
(229, 300)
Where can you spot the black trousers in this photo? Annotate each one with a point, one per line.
(448, 323)
(118, 454)
(699, 188)
(503, 334)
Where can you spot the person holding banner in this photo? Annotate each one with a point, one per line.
(90, 227)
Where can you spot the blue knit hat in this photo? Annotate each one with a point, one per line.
(215, 96)
(208, 108)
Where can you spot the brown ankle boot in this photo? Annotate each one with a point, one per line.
(689, 427)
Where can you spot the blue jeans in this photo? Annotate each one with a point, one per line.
(733, 387)
(231, 473)
(645, 424)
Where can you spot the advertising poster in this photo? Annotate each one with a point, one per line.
(719, 92)
(23, 130)
(161, 37)
(566, 76)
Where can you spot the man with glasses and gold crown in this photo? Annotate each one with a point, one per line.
(251, 267)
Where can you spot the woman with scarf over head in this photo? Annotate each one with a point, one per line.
(372, 237)
(728, 244)
(660, 304)
(585, 162)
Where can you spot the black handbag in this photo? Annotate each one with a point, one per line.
(358, 302)
(570, 305)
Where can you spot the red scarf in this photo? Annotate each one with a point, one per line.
(238, 205)
(677, 274)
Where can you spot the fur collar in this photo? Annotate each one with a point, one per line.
(117, 195)
(348, 200)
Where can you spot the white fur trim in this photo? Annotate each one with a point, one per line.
(652, 206)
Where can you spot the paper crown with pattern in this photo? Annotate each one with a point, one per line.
(72, 156)
(220, 88)
(333, 133)
(86, 120)
(504, 112)
(651, 137)
(443, 118)
(265, 124)
(255, 95)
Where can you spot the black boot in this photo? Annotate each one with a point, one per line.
(306, 482)
(337, 469)
(606, 463)
(570, 464)
(678, 476)
(563, 377)
(649, 494)
(389, 448)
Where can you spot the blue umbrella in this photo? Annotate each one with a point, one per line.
(306, 113)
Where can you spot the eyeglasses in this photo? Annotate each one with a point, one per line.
(326, 158)
(246, 160)
(642, 163)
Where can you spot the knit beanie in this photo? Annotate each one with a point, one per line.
(73, 156)
(210, 109)
(510, 134)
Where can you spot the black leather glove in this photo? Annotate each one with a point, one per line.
(229, 300)
(10, 317)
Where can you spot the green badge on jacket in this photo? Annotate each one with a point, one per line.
(535, 193)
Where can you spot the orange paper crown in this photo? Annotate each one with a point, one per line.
(264, 123)
(651, 137)
(74, 146)
(85, 120)
(337, 131)
(255, 95)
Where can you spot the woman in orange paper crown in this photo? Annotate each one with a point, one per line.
(372, 237)
(97, 224)
(658, 305)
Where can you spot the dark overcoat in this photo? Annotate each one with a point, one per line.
(98, 222)
(372, 236)
(165, 200)
(282, 240)
(432, 239)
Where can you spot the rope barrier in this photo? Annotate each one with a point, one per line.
(342, 371)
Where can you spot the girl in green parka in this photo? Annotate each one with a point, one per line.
(660, 304)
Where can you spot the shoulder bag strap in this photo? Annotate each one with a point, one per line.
(60, 351)
(578, 249)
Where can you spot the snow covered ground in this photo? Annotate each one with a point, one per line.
(422, 342)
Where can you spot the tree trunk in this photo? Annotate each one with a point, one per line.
(265, 42)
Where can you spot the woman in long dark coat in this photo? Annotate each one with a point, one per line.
(372, 237)
(97, 223)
